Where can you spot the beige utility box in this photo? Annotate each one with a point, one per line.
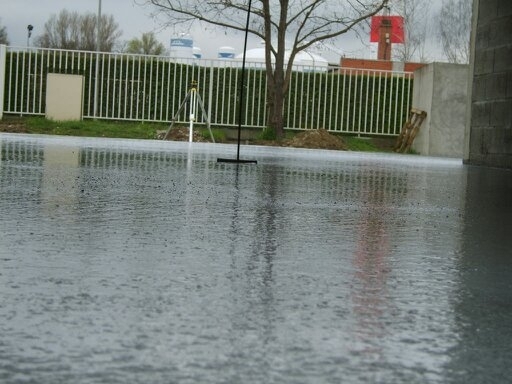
(64, 96)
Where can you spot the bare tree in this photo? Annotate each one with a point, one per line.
(3, 36)
(454, 29)
(71, 30)
(286, 26)
(147, 45)
(416, 28)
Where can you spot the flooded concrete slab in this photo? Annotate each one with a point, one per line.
(148, 261)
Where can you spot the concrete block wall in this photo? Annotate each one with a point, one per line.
(490, 123)
(440, 89)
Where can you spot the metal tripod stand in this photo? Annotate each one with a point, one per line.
(195, 98)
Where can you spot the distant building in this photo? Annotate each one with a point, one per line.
(182, 47)
(379, 65)
(226, 53)
(196, 51)
(304, 61)
(385, 30)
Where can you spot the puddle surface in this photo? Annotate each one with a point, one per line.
(149, 262)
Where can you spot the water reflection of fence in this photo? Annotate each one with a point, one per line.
(14, 152)
(151, 88)
(20, 161)
(129, 159)
(346, 184)
(28, 153)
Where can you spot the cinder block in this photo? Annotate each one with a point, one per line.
(497, 141)
(501, 30)
(488, 10)
(480, 114)
(488, 136)
(505, 7)
(484, 61)
(509, 84)
(503, 58)
(476, 143)
(496, 86)
(500, 113)
(478, 88)
(483, 36)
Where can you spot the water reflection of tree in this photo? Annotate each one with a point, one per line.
(253, 235)
(265, 225)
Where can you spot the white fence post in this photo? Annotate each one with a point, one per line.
(3, 56)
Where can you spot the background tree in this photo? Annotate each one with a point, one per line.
(146, 45)
(3, 36)
(454, 29)
(71, 30)
(286, 26)
(417, 27)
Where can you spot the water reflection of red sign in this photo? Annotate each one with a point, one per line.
(397, 28)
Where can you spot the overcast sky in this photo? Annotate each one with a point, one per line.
(135, 19)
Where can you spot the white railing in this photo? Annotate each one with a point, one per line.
(152, 88)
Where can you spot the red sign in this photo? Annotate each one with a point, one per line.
(397, 28)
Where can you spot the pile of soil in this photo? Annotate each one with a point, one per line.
(316, 139)
(12, 127)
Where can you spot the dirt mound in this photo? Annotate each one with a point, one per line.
(317, 139)
(13, 127)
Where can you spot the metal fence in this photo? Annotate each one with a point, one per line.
(152, 88)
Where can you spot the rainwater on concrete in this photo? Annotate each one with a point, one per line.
(128, 261)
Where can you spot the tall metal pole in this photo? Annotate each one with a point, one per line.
(97, 71)
(98, 28)
(241, 98)
(242, 82)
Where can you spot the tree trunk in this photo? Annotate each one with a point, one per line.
(276, 85)
(275, 104)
